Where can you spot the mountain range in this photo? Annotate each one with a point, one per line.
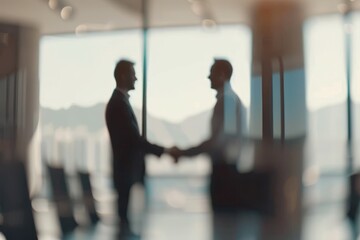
(187, 132)
(330, 122)
(326, 129)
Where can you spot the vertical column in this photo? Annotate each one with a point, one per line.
(278, 120)
(145, 19)
(9, 35)
(19, 49)
(19, 82)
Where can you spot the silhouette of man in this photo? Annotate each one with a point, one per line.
(128, 147)
(223, 145)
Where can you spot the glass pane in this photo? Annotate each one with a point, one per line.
(326, 92)
(355, 86)
(77, 80)
(180, 100)
(326, 160)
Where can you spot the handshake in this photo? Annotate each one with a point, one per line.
(175, 153)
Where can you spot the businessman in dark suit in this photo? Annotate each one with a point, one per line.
(223, 145)
(128, 146)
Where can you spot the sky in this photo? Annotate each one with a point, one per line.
(78, 70)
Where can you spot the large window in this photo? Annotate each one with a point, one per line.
(326, 92)
(326, 158)
(180, 99)
(355, 85)
(76, 76)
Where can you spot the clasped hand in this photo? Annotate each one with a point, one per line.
(175, 153)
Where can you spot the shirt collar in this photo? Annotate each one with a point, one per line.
(227, 88)
(123, 91)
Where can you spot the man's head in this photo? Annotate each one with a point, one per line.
(124, 74)
(220, 73)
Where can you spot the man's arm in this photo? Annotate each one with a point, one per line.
(225, 122)
(133, 134)
(203, 147)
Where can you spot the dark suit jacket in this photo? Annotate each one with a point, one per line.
(128, 147)
(223, 144)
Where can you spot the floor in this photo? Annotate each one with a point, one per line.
(178, 208)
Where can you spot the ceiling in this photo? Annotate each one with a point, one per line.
(106, 15)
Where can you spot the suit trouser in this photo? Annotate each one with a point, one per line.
(221, 185)
(123, 190)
